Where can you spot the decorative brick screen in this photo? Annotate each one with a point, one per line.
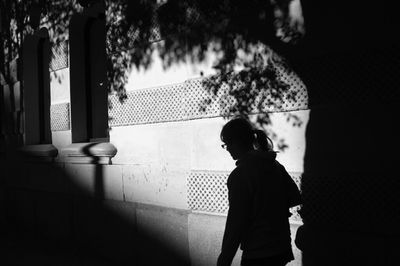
(177, 102)
(184, 101)
(59, 117)
(208, 192)
(59, 57)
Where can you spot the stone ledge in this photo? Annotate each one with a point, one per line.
(89, 153)
(39, 152)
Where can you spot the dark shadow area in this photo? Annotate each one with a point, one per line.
(351, 183)
(48, 219)
(350, 188)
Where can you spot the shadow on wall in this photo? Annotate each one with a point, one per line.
(350, 191)
(351, 183)
(49, 219)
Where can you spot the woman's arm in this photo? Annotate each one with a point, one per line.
(238, 217)
(293, 193)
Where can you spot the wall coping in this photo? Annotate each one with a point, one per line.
(89, 152)
(39, 152)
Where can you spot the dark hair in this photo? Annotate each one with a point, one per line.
(240, 130)
(263, 142)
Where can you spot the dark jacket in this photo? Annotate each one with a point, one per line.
(260, 194)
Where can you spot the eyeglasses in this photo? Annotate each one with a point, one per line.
(224, 146)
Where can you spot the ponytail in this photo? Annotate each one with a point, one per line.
(240, 130)
(262, 142)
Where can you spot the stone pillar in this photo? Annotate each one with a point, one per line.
(89, 103)
(36, 96)
(36, 81)
(11, 109)
(89, 95)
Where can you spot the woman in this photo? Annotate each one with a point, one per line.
(260, 195)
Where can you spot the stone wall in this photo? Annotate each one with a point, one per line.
(144, 206)
(144, 200)
(148, 186)
(119, 211)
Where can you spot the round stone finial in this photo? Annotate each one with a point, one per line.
(89, 152)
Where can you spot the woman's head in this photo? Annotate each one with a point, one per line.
(240, 137)
(238, 130)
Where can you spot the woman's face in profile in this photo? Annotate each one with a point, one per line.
(233, 150)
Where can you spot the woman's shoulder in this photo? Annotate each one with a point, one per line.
(240, 174)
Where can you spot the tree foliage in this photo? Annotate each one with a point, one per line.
(19, 18)
(244, 36)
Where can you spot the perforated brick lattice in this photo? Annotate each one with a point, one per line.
(59, 116)
(297, 90)
(194, 97)
(185, 101)
(155, 31)
(208, 192)
(148, 106)
(176, 102)
(155, 34)
(59, 56)
(295, 210)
